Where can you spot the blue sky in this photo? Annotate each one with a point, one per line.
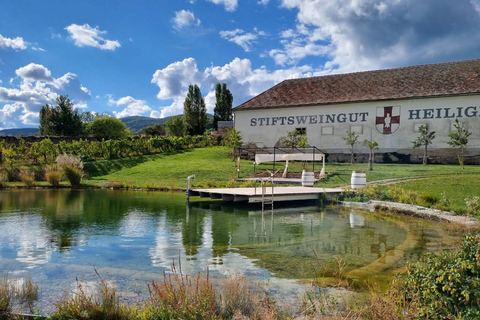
(138, 57)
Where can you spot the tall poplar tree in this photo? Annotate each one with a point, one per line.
(223, 106)
(194, 110)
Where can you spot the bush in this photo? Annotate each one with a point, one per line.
(446, 286)
(53, 175)
(473, 204)
(3, 177)
(72, 168)
(27, 177)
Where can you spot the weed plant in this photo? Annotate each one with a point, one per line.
(53, 175)
(27, 177)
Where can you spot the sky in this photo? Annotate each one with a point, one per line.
(129, 58)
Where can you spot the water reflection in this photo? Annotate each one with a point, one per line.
(141, 233)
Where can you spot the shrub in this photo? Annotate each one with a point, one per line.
(445, 286)
(3, 177)
(72, 167)
(27, 177)
(53, 175)
(473, 204)
(73, 175)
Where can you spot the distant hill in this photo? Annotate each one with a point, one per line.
(19, 132)
(137, 123)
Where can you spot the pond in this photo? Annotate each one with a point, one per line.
(60, 236)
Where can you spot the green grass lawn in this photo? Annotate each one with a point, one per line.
(214, 167)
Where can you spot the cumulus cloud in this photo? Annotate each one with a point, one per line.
(242, 38)
(370, 34)
(185, 18)
(230, 5)
(34, 72)
(243, 81)
(20, 105)
(300, 43)
(86, 36)
(13, 43)
(133, 107)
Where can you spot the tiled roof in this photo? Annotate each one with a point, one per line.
(432, 80)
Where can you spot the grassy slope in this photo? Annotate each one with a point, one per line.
(214, 167)
(166, 171)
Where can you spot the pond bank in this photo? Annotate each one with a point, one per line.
(375, 205)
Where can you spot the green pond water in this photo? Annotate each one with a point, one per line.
(60, 236)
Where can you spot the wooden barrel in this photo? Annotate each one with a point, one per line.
(308, 178)
(359, 179)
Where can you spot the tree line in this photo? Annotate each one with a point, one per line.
(64, 120)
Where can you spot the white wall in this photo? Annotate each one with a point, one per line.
(326, 125)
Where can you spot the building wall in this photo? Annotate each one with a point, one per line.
(393, 124)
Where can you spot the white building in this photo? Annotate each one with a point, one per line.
(388, 106)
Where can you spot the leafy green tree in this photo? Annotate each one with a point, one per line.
(351, 139)
(60, 120)
(156, 130)
(294, 139)
(371, 146)
(424, 139)
(176, 126)
(105, 127)
(195, 112)
(233, 138)
(459, 138)
(223, 105)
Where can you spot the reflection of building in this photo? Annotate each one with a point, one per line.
(388, 106)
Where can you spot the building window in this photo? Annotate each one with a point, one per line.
(301, 131)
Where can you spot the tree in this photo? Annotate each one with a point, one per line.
(60, 120)
(294, 139)
(176, 126)
(351, 139)
(459, 138)
(424, 139)
(156, 130)
(106, 127)
(223, 105)
(233, 138)
(194, 110)
(371, 146)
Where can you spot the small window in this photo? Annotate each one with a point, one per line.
(301, 131)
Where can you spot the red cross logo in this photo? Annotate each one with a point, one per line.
(388, 119)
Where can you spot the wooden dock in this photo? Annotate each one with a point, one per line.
(254, 195)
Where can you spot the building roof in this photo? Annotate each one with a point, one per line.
(423, 81)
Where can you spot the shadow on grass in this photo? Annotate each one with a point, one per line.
(105, 167)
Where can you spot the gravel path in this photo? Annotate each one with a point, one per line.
(413, 209)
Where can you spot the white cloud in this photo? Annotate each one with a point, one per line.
(20, 105)
(34, 72)
(16, 43)
(242, 38)
(264, 2)
(230, 5)
(134, 107)
(298, 44)
(371, 34)
(84, 35)
(243, 81)
(185, 18)
(38, 49)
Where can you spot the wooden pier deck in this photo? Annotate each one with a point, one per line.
(254, 195)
